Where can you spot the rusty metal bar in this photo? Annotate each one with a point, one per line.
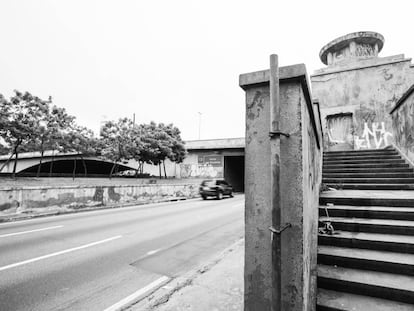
(275, 231)
(275, 183)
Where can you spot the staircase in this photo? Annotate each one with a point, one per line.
(368, 263)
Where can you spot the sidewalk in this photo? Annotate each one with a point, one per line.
(218, 286)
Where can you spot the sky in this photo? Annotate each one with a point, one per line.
(174, 61)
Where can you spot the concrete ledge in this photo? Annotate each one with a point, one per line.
(375, 62)
(13, 188)
(251, 79)
(286, 74)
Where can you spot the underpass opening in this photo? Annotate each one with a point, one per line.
(234, 172)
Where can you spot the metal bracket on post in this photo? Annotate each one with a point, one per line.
(275, 231)
(278, 133)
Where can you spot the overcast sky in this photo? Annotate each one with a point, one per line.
(167, 61)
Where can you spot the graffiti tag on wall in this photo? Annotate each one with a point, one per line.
(374, 137)
(201, 170)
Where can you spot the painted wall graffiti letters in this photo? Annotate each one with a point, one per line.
(374, 137)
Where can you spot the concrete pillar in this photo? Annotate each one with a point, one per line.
(282, 179)
(352, 48)
(376, 49)
(330, 58)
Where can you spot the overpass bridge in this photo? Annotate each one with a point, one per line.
(208, 158)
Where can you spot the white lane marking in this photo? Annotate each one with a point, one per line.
(154, 251)
(137, 294)
(29, 231)
(58, 253)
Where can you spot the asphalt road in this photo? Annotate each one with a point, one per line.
(94, 260)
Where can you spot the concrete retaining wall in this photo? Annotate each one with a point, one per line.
(40, 199)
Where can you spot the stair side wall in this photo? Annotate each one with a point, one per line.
(403, 124)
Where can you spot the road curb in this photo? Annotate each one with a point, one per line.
(164, 292)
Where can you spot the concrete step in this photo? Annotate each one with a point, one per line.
(384, 226)
(371, 180)
(389, 170)
(372, 186)
(329, 300)
(365, 259)
(364, 157)
(369, 174)
(359, 161)
(373, 241)
(361, 201)
(337, 166)
(375, 212)
(363, 152)
(361, 156)
(371, 283)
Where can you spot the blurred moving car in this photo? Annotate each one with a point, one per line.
(215, 188)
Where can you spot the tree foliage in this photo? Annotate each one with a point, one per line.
(22, 119)
(28, 123)
(151, 143)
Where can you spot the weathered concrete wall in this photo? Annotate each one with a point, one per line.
(32, 199)
(258, 255)
(403, 124)
(312, 178)
(366, 91)
(299, 181)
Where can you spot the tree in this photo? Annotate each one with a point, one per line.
(4, 149)
(178, 146)
(50, 135)
(20, 121)
(117, 142)
(151, 143)
(161, 142)
(80, 140)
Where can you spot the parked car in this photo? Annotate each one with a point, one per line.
(215, 188)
